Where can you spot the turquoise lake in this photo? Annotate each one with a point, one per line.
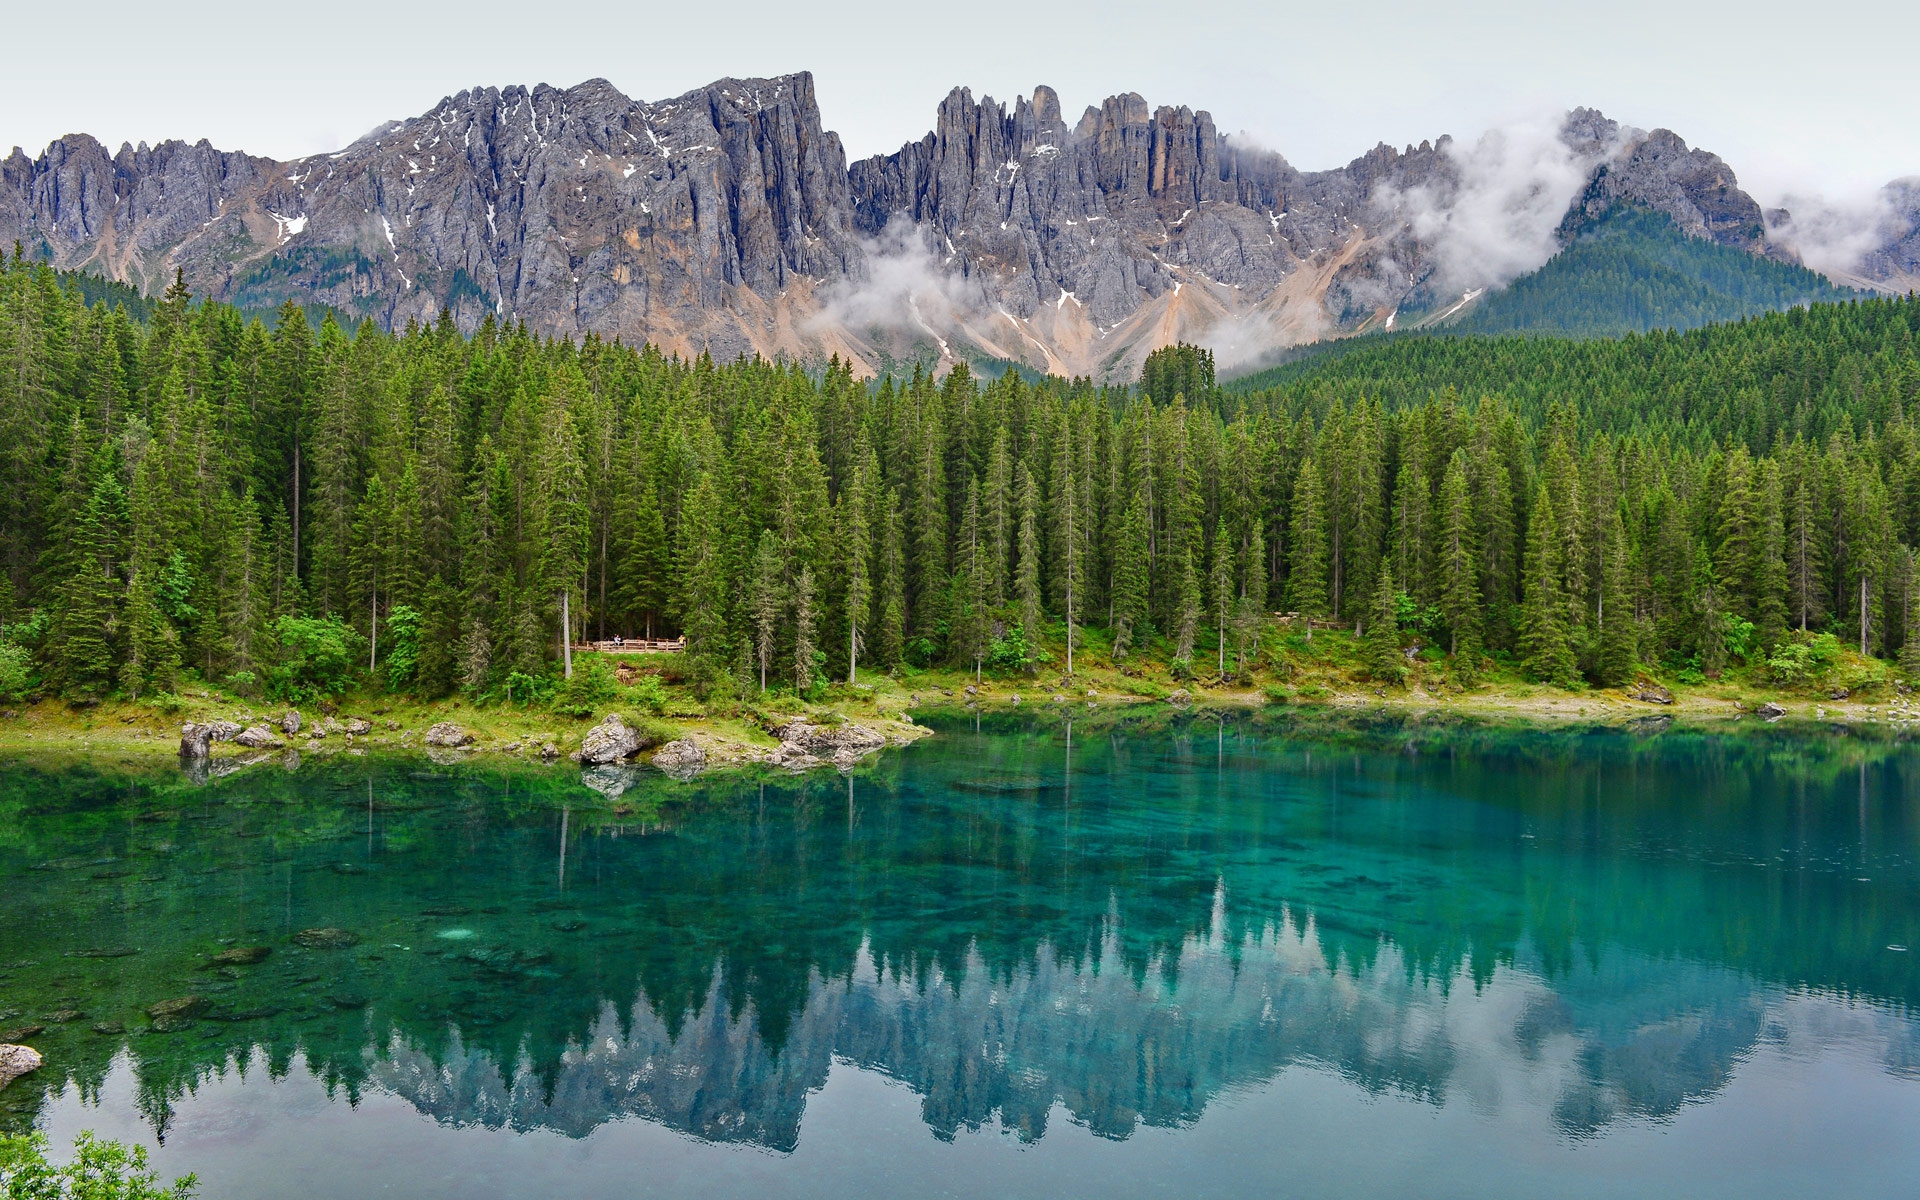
(1173, 957)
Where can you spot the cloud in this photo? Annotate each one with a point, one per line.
(903, 287)
(1495, 212)
(1842, 237)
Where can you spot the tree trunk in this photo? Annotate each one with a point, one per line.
(566, 631)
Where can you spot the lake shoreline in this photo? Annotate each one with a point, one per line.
(744, 743)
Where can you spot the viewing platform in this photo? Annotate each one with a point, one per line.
(633, 646)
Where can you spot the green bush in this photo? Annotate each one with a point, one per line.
(403, 653)
(1013, 652)
(101, 1170)
(16, 671)
(592, 688)
(316, 658)
(649, 693)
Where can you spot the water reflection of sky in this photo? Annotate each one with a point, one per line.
(1230, 966)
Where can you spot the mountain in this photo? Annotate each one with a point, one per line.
(727, 220)
(1634, 270)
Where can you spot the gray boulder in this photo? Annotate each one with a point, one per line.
(257, 737)
(843, 745)
(1771, 711)
(1651, 693)
(290, 724)
(682, 759)
(197, 738)
(16, 1061)
(611, 741)
(447, 734)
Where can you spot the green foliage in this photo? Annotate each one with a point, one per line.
(1012, 652)
(528, 690)
(1634, 271)
(403, 646)
(316, 657)
(101, 1169)
(1738, 636)
(173, 591)
(178, 492)
(1801, 657)
(591, 689)
(16, 671)
(1381, 645)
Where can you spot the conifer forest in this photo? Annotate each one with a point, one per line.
(270, 502)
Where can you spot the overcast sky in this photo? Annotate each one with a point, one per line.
(1806, 96)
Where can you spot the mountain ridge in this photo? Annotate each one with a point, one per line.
(728, 220)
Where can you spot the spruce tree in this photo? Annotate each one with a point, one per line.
(805, 653)
(1027, 573)
(1130, 580)
(1307, 569)
(1459, 572)
(1380, 645)
(766, 601)
(1546, 648)
(892, 616)
(1617, 632)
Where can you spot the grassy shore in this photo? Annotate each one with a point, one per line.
(1321, 673)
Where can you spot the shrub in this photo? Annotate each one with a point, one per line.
(316, 658)
(101, 1170)
(1013, 652)
(529, 689)
(16, 671)
(403, 653)
(648, 693)
(592, 688)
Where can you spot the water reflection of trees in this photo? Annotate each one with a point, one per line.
(1173, 918)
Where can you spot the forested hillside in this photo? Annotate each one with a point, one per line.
(204, 495)
(1634, 271)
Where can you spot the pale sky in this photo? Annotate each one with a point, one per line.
(1805, 97)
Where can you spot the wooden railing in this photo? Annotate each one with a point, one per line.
(634, 646)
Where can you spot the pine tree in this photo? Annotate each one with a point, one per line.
(1307, 571)
(1220, 587)
(1187, 617)
(1380, 645)
(1027, 574)
(1130, 580)
(1458, 571)
(766, 601)
(1617, 634)
(1546, 648)
(805, 654)
(892, 620)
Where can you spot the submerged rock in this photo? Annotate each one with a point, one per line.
(240, 956)
(183, 1006)
(109, 1028)
(16, 1061)
(612, 740)
(449, 735)
(327, 938)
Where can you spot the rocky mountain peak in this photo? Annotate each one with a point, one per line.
(728, 220)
